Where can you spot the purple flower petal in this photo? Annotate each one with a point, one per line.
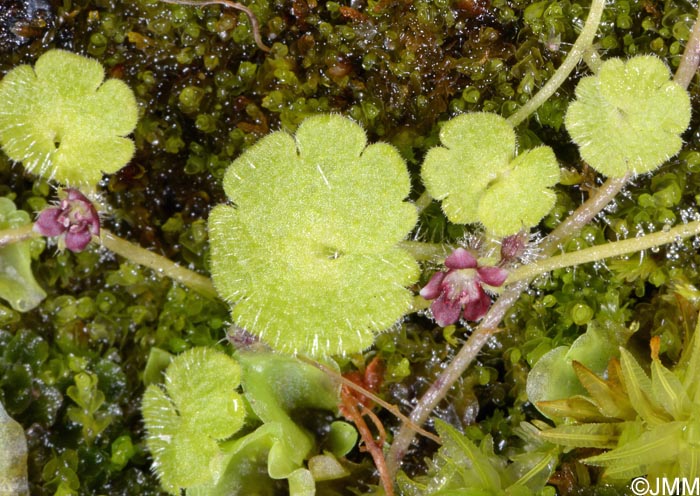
(477, 308)
(48, 223)
(434, 287)
(77, 240)
(445, 311)
(493, 276)
(460, 259)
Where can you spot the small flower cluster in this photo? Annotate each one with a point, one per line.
(74, 220)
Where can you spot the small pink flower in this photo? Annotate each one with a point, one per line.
(460, 289)
(74, 221)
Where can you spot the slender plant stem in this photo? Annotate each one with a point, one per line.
(17, 234)
(691, 56)
(255, 26)
(583, 43)
(160, 264)
(488, 326)
(582, 215)
(607, 250)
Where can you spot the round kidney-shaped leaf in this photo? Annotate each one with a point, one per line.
(477, 179)
(308, 252)
(198, 407)
(628, 118)
(63, 122)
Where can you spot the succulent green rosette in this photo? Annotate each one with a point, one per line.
(478, 179)
(62, 121)
(308, 252)
(628, 118)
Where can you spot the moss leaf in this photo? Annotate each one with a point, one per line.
(477, 178)
(621, 119)
(308, 252)
(63, 123)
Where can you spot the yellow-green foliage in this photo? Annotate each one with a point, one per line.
(63, 121)
(198, 407)
(629, 116)
(308, 250)
(478, 179)
(650, 423)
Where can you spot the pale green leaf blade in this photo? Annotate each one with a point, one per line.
(13, 456)
(640, 390)
(460, 451)
(691, 371)
(610, 400)
(576, 407)
(520, 198)
(621, 121)
(477, 147)
(652, 447)
(17, 283)
(585, 435)
(689, 462)
(301, 483)
(305, 253)
(668, 391)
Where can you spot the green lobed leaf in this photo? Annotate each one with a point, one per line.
(198, 407)
(477, 178)
(308, 251)
(63, 122)
(521, 197)
(621, 119)
(17, 283)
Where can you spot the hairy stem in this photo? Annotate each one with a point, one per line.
(691, 56)
(583, 43)
(17, 234)
(607, 250)
(488, 326)
(160, 264)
